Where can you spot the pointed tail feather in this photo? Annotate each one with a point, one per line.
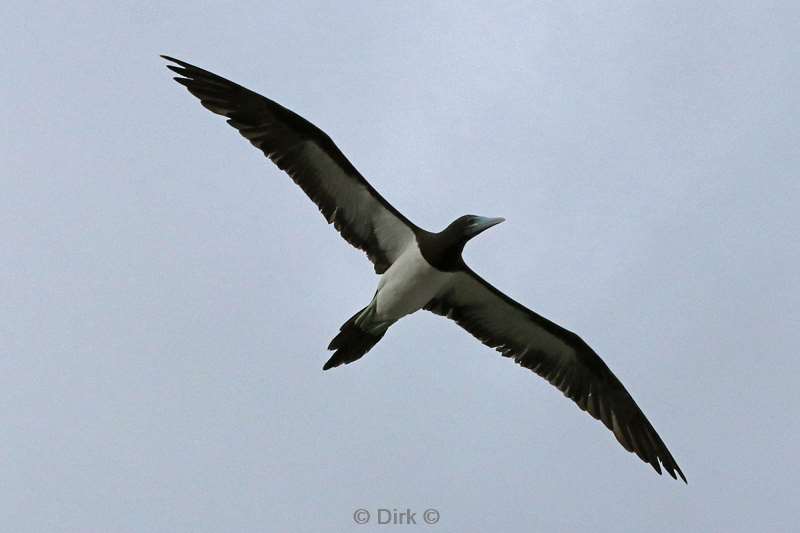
(351, 343)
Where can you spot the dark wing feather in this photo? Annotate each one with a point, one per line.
(312, 160)
(556, 354)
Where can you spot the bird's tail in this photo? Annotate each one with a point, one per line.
(356, 337)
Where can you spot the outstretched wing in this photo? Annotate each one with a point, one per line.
(313, 161)
(559, 356)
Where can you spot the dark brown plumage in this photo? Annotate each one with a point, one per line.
(580, 374)
(287, 139)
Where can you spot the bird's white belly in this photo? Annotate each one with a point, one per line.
(407, 285)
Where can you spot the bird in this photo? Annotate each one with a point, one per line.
(423, 270)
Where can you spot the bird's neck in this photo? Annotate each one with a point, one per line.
(442, 250)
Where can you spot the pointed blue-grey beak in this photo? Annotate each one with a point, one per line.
(483, 223)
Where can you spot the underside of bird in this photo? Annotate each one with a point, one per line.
(423, 270)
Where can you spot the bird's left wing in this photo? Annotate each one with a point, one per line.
(556, 354)
(362, 216)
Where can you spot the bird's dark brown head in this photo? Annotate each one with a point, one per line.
(443, 249)
(466, 227)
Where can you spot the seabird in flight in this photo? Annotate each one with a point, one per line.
(420, 269)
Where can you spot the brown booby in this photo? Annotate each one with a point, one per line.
(421, 269)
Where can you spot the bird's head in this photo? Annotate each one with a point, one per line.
(443, 249)
(466, 227)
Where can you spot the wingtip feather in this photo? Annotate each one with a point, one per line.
(174, 60)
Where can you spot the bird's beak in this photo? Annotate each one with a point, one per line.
(484, 223)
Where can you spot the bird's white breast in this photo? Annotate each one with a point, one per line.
(407, 285)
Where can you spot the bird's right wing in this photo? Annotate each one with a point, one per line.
(313, 161)
(556, 354)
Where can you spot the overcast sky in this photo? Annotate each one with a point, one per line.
(168, 294)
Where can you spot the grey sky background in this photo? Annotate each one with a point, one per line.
(168, 294)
